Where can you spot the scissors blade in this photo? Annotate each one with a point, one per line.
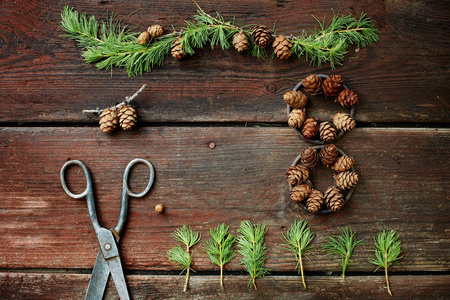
(115, 267)
(99, 279)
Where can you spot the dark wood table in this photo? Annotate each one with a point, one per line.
(401, 147)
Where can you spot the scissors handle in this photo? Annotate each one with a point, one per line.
(88, 192)
(126, 191)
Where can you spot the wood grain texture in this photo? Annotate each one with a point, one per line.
(403, 78)
(72, 286)
(404, 179)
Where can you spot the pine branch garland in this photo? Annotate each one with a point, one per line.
(110, 44)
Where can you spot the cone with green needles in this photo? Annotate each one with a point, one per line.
(180, 256)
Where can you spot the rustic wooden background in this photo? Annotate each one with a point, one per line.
(401, 146)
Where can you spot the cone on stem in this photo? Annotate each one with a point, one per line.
(108, 120)
(261, 36)
(240, 42)
(282, 47)
(127, 117)
(176, 50)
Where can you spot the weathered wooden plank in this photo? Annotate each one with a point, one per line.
(404, 179)
(400, 79)
(73, 286)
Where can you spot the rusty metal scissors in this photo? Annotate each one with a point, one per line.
(108, 259)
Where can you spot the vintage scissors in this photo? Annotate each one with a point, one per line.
(108, 259)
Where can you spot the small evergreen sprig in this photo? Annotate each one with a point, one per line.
(111, 45)
(219, 247)
(253, 250)
(387, 251)
(297, 239)
(181, 256)
(342, 246)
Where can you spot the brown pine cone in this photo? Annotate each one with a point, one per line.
(309, 157)
(347, 98)
(297, 174)
(295, 99)
(315, 201)
(344, 122)
(334, 198)
(144, 38)
(328, 154)
(297, 117)
(332, 85)
(261, 36)
(127, 117)
(108, 120)
(343, 163)
(310, 128)
(327, 132)
(346, 180)
(300, 192)
(176, 51)
(155, 30)
(240, 42)
(312, 84)
(282, 47)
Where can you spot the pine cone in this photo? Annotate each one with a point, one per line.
(300, 192)
(328, 154)
(346, 180)
(343, 163)
(297, 117)
(313, 84)
(177, 52)
(332, 85)
(155, 30)
(295, 99)
(315, 201)
(309, 157)
(297, 174)
(347, 98)
(344, 122)
(310, 128)
(240, 42)
(282, 47)
(127, 117)
(108, 120)
(144, 38)
(261, 36)
(327, 132)
(334, 198)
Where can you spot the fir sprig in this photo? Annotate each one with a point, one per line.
(111, 45)
(181, 256)
(387, 251)
(342, 246)
(297, 239)
(219, 247)
(253, 250)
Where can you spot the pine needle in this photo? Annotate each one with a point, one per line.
(297, 239)
(387, 251)
(108, 44)
(219, 247)
(182, 257)
(342, 246)
(253, 250)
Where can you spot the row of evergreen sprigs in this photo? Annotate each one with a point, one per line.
(297, 239)
(110, 44)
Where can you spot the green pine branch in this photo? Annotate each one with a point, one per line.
(219, 247)
(387, 251)
(342, 246)
(253, 250)
(109, 44)
(297, 239)
(180, 256)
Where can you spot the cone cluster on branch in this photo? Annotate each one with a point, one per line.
(125, 116)
(310, 128)
(153, 31)
(302, 189)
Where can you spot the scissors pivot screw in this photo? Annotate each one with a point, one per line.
(107, 247)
